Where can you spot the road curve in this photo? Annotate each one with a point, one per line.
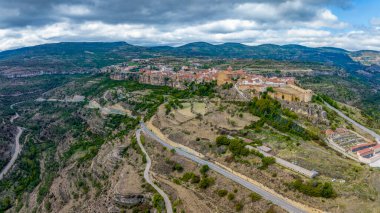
(14, 117)
(15, 154)
(365, 129)
(17, 151)
(168, 204)
(274, 198)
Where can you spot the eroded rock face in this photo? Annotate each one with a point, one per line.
(129, 200)
(313, 112)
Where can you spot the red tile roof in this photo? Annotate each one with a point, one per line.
(329, 132)
(362, 145)
(365, 151)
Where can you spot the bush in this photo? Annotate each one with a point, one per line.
(239, 206)
(231, 196)
(187, 176)
(204, 169)
(236, 146)
(177, 167)
(266, 161)
(5, 204)
(195, 179)
(255, 197)
(206, 182)
(222, 192)
(227, 85)
(270, 89)
(158, 202)
(222, 140)
(314, 188)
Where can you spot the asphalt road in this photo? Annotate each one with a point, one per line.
(365, 129)
(285, 204)
(17, 150)
(15, 154)
(168, 204)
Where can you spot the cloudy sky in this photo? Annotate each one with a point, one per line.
(350, 24)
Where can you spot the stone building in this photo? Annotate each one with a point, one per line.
(292, 93)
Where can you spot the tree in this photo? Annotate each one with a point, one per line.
(204, 169)
(158, 202)
(206, 182)
(328, 191)
(178, 167)
(266, 161)
(222, 140)
(270, 89)
(195, 179)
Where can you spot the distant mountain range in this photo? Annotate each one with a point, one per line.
(90, 56)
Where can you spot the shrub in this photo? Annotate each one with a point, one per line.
(255, 197)
(204, 169)
(187, 176)
(177, 167)
(314, 188)
(195, 179)
(270, 89)
(222, 192)
(239, 206)
(5, 204)
(231, 196)
(266, 161)
(222, 140)
(236, 146)
(158, 202)
(206, 182)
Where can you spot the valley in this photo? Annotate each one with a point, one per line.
(188, 135)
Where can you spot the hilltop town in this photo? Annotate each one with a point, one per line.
(283, 88)
(228, 135)
(248, 85)
(190, 106)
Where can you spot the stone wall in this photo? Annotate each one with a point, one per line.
(313, 112)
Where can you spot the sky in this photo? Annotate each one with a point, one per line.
(349, 24)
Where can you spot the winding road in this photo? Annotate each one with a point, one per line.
(168, 204)
(17, 149)
(287, 204)
(363, 128)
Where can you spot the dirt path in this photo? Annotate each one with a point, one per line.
(15, 154)
(17, 150)
(168, 204)
(14, 117)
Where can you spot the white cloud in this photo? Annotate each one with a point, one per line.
(296, 21)
(227, 31)
(72, 10)
(307, 33)
(375, 21)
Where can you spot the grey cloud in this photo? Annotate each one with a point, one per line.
(157, 12)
